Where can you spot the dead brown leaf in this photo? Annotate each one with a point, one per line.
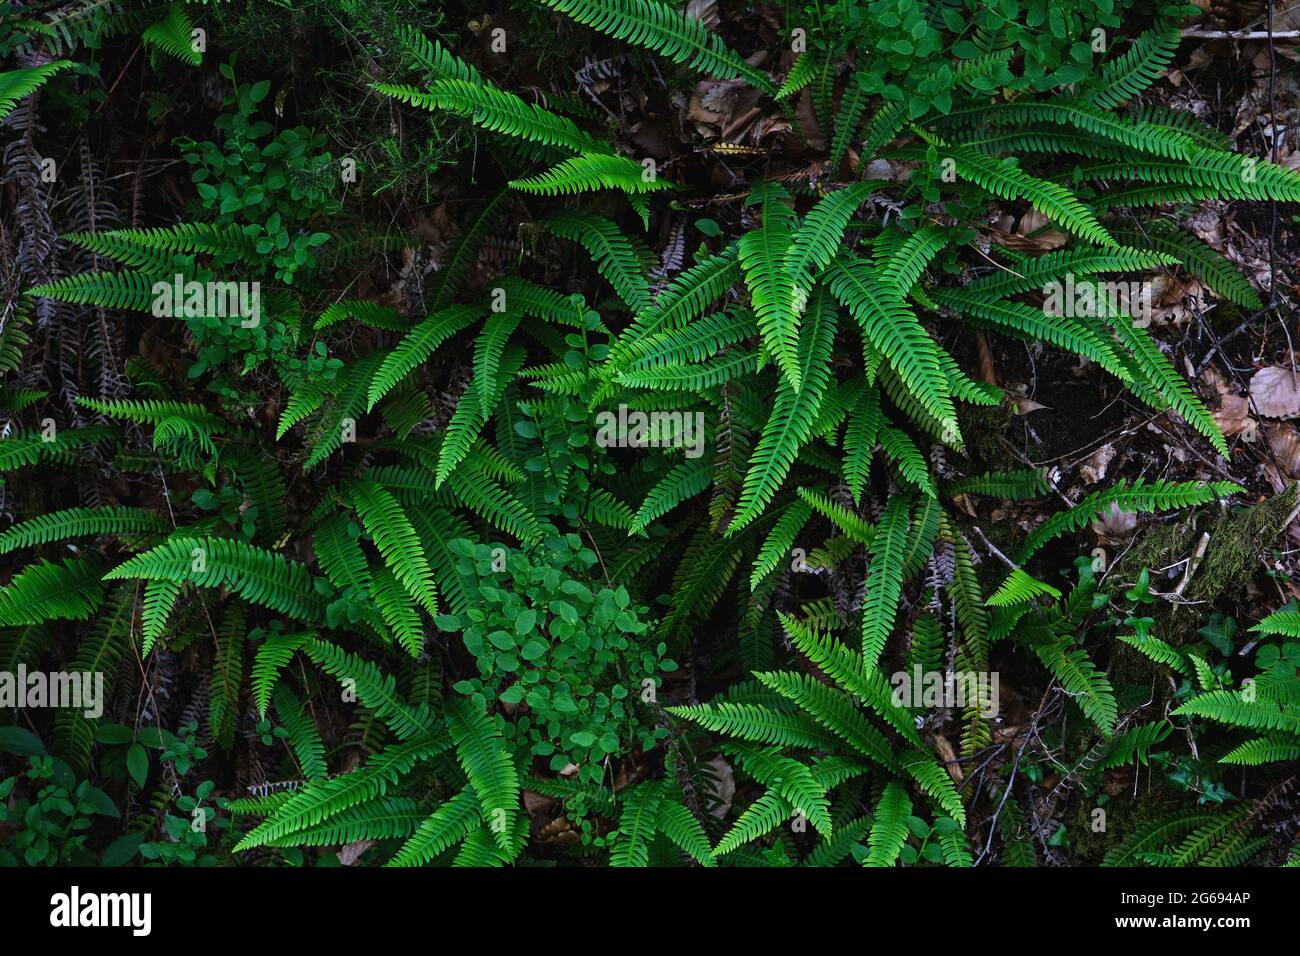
(1275, 392)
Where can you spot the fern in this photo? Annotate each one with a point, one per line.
(69, 590)
(592, 172)
(481, 750)
(172, 35)
(75, 523)
(17, 84)
(257, 575)
(658, 27)
(889, 827)
(1141, 496)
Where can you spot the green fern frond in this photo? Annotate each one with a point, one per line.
(374, 689)
(618, 259)
(771, 283)
(1015, 485)
(76, 523)
(391, 530)
(1165, 379)
(323, 800)
(416, 347)
(889, 826)
(155, 608)
(110, 290)
(303, 737)
(70, 590)
(1142, 64)
(173, 36)
(1158, 651)
(1134, 746)
(895, 332)
(884, 578)
(1081, 680)
(1198, 258)
(1021, 588)
(592, 172)
(1256, 753)
(1284, 622)
(257, 575)
(270, 659)
(800, 75)
(793, 416)
(657, 26)
(1005, 179)
(681, 827)
(1033, 324)
(16, 84)
(482, 754)
(1231, 707)
(451, 823)
(498, 111)
(1141, 496)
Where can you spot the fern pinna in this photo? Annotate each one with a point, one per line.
(407, 503)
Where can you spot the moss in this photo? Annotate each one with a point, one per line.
(1125, 815)
(982, 427)
(1236, 538)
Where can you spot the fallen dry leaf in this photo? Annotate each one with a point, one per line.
(349, 853)
(1094, 467)
(1233, 417)
(1275, 392)
(1284, 441)
(1037, 227)
(1026, 405)
(725, 791)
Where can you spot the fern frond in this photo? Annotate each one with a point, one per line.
(172, 35)
(1021, 588)
(657, 26)
(416, 347)
(1081, 680)
(496, 110)
(69, 590)
(303, 738)
(618, 260)
(1141, 496)
(448, 825)
(269, 660)
(16, 84)
(592, 172)
(1142, 64)
(391, 530)
(320, 801)
(889, 826)
(482, 753)
(793, 416)
(1005, 179)
(76, 523)
(884, 578)
(895, 332)
(257, 575)
(771, 282)
(1134, 746)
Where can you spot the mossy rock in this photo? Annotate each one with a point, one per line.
(1237, 536)
(1125, 815)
